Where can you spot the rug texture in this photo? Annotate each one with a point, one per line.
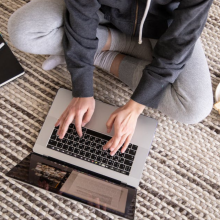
(181, 177)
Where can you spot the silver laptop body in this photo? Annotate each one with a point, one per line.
(142, 137)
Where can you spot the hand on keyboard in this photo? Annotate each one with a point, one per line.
(80, 110)
(124, 120)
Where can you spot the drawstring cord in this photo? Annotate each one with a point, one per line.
(143, 20)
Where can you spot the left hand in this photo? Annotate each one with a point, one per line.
(124, 120)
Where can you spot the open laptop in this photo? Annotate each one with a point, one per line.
(79, 169)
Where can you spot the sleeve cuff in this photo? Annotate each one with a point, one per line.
(82, 81)
(149, 90)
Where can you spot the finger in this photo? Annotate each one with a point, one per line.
(110, 122)
(57, 123)
(60, 122)
(108, 144)
(118, 134)
(123, 138)
(87, 116)
(126, 143)
(115, 143)
(78, 123)
(65, 125)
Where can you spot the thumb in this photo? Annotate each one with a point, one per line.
(110, 122)
(87, 116)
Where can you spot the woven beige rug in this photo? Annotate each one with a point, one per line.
(181, 177)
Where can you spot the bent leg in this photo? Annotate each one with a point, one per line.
(37, 27)
(189, 99)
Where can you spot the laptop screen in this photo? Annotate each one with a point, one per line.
(76, 184)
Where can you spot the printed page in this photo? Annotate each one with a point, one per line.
(97, 191)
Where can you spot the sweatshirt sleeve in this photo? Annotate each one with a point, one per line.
(172, 51)
(80, 43)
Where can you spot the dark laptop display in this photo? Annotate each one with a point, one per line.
(76, 183)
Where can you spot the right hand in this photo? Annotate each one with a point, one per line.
(81, 110)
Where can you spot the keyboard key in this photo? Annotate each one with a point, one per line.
(82, 153)
(121, 160)
(134, 147)
(70, 149)
(60, 145)
(54, 132)
(98, 152)
(132, 152)
(50, 146)
(93, 144)
(129, 157)
(103, 142)
(53, 143)
(93, 157)
(121, 166)
(127, 168)
(108, 156)
(110, 162)
(104, 153)
(76, 151)
(86, 148)
(116, 158)
(70, 143)
(65, 136)
(70, 130)
(87, 143)
(76, 139)
(81, 146)
(128, 162)
(75, 144)
(104, 160)
(71, 137)
(65, 147)
(92, 150)
(98, 158)
(82, 141)
(71, 125)
(63, 140)
(92, 138)
(98, 140)
(86, 136)
(53, 137)
(126, 151)
(115, 164)
(88, 155)
(99, 146)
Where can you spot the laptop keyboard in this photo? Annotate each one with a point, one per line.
(89, 148)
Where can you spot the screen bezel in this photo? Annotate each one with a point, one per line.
(60, 165)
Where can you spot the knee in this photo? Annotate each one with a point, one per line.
(16, 29)
(30, 24)
(195, 111)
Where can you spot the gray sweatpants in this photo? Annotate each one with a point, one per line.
(37, 28)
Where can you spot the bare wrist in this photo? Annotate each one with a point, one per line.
(135, 106)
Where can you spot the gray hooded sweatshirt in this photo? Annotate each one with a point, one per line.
(177, 24)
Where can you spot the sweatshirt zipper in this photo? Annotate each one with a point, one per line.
(136, 16)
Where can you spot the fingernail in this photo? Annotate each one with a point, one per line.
(111, 149)
(83, 124)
